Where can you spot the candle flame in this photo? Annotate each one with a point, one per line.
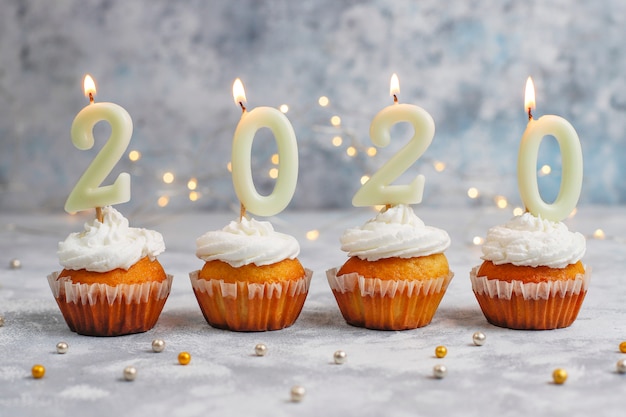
(89, 86)
(239, 93)
(529, 97)
(394, 85)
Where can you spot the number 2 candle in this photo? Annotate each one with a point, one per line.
(250, 123)
(377, 189)
(87, 193)
(571, 156)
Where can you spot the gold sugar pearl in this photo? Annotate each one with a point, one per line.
(622, 347)
(38, 371)
(441, 351)
(184, 358)
(559, 376)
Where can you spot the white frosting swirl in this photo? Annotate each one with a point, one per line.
(532, 241)
(395, 232)
(247, 242)
(105, 246)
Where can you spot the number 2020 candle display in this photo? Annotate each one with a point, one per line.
(250, 123)
(87, 193)
(571, 156)
(377, 190)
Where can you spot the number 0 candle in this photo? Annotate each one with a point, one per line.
(87, 193)
(250, 123)
(571, 156)
(377, 189)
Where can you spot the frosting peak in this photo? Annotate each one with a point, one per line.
(247, 242)
(532, 241)
(112, 244)
(394, 232)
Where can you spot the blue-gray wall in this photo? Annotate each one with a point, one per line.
(172, 64)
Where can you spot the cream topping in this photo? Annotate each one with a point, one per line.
(112, 244)
(532, 241)
(247, 242)
(394, 232)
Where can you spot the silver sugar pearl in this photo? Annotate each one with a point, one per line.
(479, 338)
(62, 347)
(621, 366)
(15, 263)
(297, 393)
(260, 349)
(340, 357)
(130, 373)
(1, 321)
(440, 371)
(158, 345)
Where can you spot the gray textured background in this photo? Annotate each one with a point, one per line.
(171, 65)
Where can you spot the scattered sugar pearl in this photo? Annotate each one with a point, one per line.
(479, 338)
(158, 345)
(559, 376)
(297, 393)
(62, 347)
(340, 357)
(441, 351)
(184, 358)
(440, 371)
(38, 371)
(130, 373)
(260, 349)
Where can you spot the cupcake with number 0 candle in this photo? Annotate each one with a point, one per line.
(396, 274)
(532, 277)
(252, 279)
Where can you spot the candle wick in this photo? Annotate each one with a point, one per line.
(91, 99)
(530, 113)
(395, 98)
(242, 212)
(99, 215)
(243, 107)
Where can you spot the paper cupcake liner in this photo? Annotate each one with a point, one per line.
(105, 310)
(251, 307)
(387, 304)
(530, 306)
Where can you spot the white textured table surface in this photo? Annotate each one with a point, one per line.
(387, 373)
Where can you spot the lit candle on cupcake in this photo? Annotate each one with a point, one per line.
(251, 121)
(252, 279)
(87, 194)
(396, 274)
(571, 156)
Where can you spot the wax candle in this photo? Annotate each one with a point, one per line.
(87, 193)
(377, 189)
(285, 137)
(571, 157)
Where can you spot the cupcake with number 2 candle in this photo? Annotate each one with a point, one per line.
(397, 273)
(111, 283)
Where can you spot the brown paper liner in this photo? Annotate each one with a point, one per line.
(104, 310)
(251, 307)
(530, 306)
(386, 304)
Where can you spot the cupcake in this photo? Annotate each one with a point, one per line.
(532, 277)
(112, 284)
(396, 274)
(251, 279)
